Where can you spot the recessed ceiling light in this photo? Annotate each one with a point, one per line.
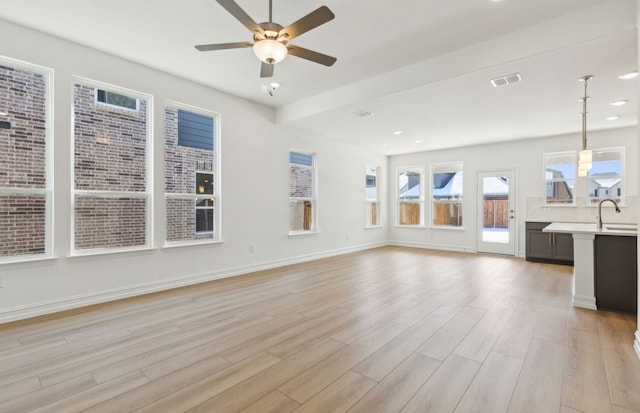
(397, 132)
(418, 141)
(384, 145)
(630, 75)
(619, 103)
(274, 84)
(614, 117)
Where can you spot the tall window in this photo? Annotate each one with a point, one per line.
(25, 161)
(606, 175)
(112, 174)
(192, 175)
(411, 196)
(559, 174)
(446, 195)
(302, 202)
(372, 197)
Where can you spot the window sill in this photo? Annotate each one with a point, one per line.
(297, 234)
(447, 227)
(180, 244)
(98, 252)
(411, 226)
(374, 227)
(27, 260)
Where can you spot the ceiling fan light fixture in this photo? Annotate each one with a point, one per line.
(270, 51)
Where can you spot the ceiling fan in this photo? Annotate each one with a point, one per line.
(270, 40)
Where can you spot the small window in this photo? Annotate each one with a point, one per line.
(116, 99)
(559, 176)
(410, 196)
(301, 192)
(446, 195)
(371, 197)
(606, 175)
(204, 207)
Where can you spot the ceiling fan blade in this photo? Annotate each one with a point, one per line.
(237, 12)
(223, 46)
(308, 22)
(307, 54)
(266, 70)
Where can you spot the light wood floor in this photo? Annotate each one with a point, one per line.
(386, 330)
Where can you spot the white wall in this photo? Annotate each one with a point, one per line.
(525, 157)
(254, 191)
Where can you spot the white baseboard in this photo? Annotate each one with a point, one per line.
(584, 302)
(431, 246)
(636, 344)
(73, 302)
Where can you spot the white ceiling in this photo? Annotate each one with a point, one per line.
(422, 66)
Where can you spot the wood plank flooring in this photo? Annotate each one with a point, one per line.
(386, 330)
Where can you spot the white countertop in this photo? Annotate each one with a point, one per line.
(588, 228)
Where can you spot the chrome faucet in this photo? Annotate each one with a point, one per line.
(599, 224)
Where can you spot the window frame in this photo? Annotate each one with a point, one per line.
(421, 197)
(551, 181)
(455, 168)
(147, 194)
(205, 207)
(373, 201)
(314, 192)
(621, 150)
(111, 105)
(217, 182)
(48, 190)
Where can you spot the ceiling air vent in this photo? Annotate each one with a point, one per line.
(506, 80)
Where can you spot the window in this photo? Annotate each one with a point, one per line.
(559, 174)
(204, 207)
(25, 161)
(372, 197)
(116, 99)
(111, 194)
(191, 175)
(410, 196)
(446, 195)
(606, 175)
(301, 192)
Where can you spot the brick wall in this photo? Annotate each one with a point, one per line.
(109, 222)
(110, 145)
(181, 165)
(300, 181)
(110, 155)
(22, 161)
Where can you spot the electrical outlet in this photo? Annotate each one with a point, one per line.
(252, 248)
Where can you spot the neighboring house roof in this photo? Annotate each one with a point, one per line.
(450, 185)
(495, 186)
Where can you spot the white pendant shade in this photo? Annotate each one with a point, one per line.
(270, 51)
(585, 159)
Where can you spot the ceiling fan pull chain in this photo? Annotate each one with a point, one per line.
(270, 12)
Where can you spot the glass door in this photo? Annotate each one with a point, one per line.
(496, 213)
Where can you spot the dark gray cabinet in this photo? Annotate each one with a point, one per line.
(616, 273)
(549, 247)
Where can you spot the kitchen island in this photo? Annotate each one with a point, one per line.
(584, 248)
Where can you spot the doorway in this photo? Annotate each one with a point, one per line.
(496, 212)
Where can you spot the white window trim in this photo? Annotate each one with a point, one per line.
(622, 176)
(420, 201)
(376, 201)
(546, 181)
(314, 186)
(432, 167)
(147, 194)
(48, 76)
(217, 181)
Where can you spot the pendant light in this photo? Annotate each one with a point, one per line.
(585, 156)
